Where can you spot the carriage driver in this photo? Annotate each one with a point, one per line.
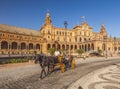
(56, 54)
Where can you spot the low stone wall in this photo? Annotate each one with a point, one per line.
(30, 62)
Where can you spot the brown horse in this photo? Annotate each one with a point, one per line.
(49, 62)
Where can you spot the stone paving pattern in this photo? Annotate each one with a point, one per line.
(27, 76)
(104, 78)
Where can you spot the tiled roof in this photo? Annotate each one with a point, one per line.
(14, 29)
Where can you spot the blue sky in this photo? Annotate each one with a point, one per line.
(31, 13)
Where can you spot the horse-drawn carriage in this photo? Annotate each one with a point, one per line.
(63, 63)
(50, 62)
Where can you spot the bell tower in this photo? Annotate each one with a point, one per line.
(103, 30)
(48, 21)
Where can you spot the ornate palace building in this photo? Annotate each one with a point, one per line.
(16, 40)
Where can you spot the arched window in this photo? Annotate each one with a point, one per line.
(75, 46)
(48, 46)
(30, 46)
(63, 47)
(80, 39)
(4, 45)
(23, 45)
(71, 47)
(14, 45)
(37, 46)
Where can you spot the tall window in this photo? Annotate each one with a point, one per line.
(80, 39)
(60, 33)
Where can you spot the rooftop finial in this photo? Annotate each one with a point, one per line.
(48, 13)
(103, 25)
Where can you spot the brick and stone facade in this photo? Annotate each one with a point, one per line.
(16, 40)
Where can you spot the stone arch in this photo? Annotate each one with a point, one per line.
(75, 46)
(85, 47)
(23, 46)
(37, 46)
(59, 46)
(92, 46)
(48, 46)
(88, 47)
(80, 39)
(4, 45)
(63, 46)
(30, 46)
(71, 47)
(14, 45)
(67, 47)
(53, 46)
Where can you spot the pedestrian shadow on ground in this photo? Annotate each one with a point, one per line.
(80, 87)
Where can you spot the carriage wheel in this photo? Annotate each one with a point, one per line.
(73, 64)
(62, 66)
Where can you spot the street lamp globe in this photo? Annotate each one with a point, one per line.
(65, 24)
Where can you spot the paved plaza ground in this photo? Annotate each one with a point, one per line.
(104, 78)
(91, 73)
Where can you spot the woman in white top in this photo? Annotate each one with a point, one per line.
(57, 53)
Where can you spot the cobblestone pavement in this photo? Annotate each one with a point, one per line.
(104, 78)
(27, 77)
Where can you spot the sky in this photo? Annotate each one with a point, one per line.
(31, 13)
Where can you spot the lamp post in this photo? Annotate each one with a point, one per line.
(65, 24)
(20, 45)
(106, 45)
(9, 46)
(114, 44)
